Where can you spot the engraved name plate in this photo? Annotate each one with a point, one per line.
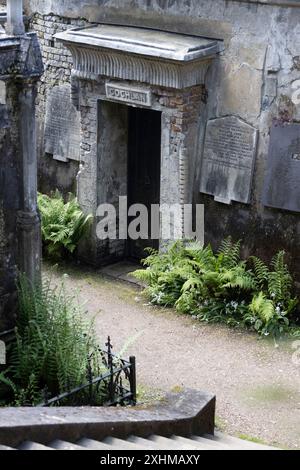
(129, 95)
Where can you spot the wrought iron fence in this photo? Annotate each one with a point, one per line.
(117, 386)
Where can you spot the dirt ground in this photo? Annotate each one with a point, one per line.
(257, 383)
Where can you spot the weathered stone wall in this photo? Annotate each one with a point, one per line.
(58, 64)
(253, 79)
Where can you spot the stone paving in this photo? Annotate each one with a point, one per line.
(257, 384)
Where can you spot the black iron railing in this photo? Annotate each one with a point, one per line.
(116, 386)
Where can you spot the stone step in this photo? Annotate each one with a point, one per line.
(146, 444)
(197, 443)
(91, 444)
(63, 445)
(120, 444)
(176, 443)
(237, 444)
(218, 442)
(28, 445)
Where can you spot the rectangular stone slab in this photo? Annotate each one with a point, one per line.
(131, 95)
(62, 129)
(228, 160)
(282, 182)
(190, 412)
(147, 42)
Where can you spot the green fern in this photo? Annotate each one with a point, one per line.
(262, 307)
(221, 287)
(230, 253)
(261, 271)
(63, 224)
(238, 278)
(280, 281)
(54, 345)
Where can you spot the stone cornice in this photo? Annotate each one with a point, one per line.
(174, 66)
(92, 63)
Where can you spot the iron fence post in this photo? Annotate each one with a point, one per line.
(133, 378)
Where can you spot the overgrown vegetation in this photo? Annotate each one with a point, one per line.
(63, 224)
(221, 287)
(55, 348)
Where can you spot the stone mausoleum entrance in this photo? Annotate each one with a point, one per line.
(139, 94)
(144, 162)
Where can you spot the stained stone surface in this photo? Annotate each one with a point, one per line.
(282, 183)
(62, 131)
(228, 160)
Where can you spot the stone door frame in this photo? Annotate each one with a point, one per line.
(180, 110)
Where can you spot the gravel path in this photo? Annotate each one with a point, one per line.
(257, 384)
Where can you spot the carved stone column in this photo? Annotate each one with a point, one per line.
(20, 243)
(28, 217)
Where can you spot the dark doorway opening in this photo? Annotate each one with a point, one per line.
(144, 170)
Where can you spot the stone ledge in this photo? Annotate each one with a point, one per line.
(190, 412)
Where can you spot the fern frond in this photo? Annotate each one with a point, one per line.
(262, 307)
(261, 271)
(280, 280)
(230, 253)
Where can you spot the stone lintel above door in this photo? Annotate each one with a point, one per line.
(138, 54)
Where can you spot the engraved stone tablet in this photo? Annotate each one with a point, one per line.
(228, 160)
(282, 182)
(62, 130)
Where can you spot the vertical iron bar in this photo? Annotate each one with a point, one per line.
(133, 378)
(90, 379)
(111, 367)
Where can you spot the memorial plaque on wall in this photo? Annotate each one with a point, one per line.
(282, 182)
(62, 128)
(228, 160)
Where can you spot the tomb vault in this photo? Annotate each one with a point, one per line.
(117, 69)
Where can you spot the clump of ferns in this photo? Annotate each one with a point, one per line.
(54, 350)
(63, 224)
(221, 287)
